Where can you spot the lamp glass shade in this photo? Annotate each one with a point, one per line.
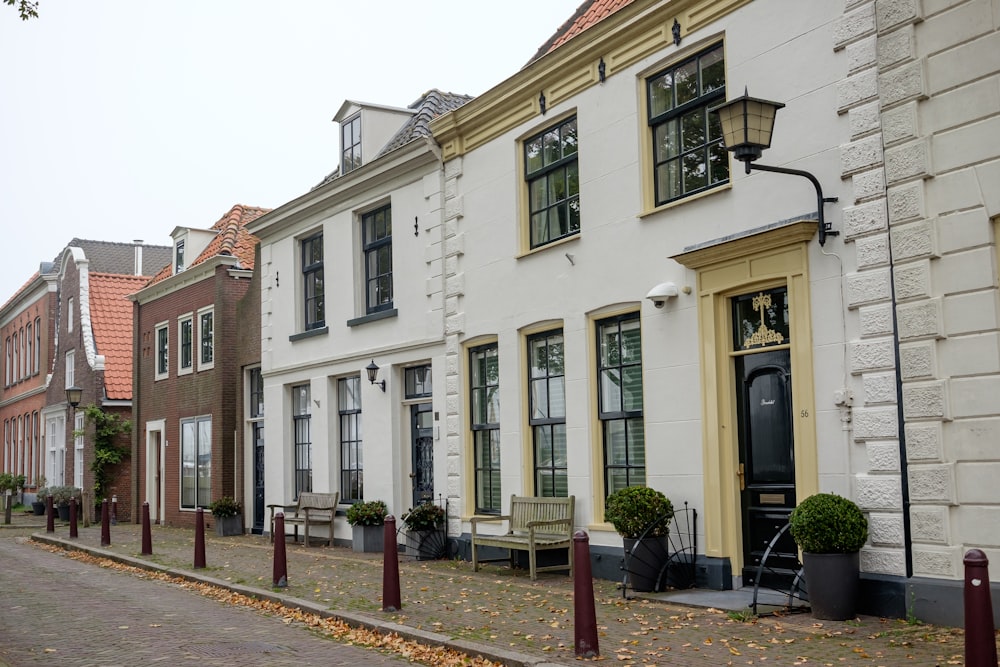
(73, 395)
(747, 124)
(372, 370)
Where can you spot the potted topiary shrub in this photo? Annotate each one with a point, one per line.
(642, 516)
(228, 513)
(425, 523)
(368, 519)
(38, 504)
(60, 499)
(830, 530)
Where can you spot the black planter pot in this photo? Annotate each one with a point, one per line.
(63, 512)
(645, 561)
(832, 582)
(38, 508)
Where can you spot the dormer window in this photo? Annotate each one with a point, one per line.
(350, 134)
(179, 256)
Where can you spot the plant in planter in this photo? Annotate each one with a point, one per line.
(228, 513)
(425, 522)
(38, 505)
(830, 530)
(60, 499)
(642, 516)
(368, 518)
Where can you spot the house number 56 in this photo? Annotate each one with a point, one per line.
(803, 413)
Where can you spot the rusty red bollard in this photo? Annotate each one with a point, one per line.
(584, 613)
(199, 538)
(105, 524)
(279, 570)
(73, 531)
(980, 638)
(390, 568)
(50, 517)
(147, 536)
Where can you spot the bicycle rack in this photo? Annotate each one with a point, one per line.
(796, 589)
(672, 563)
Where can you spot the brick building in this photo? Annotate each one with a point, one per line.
(187, 378)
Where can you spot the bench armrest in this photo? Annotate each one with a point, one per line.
(550, 522)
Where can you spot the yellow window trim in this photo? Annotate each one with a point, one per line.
(469, 508)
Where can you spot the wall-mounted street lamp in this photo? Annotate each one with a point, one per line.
(372, 369)
(747, 125)
(73, 395)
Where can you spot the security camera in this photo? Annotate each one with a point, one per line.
(659, 294)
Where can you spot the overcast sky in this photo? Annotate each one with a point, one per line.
(123, 120)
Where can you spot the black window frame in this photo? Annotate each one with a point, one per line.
(313, 283)
(622, 416)
(376, 239)
(545, 178)
(711, 148)
(206, 337)
(302, 438)
(485, 434)
(350, 138)
(548, 429)
(185, 344)
(352, 470)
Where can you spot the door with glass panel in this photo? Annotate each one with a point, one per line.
(418, 388)
(766, 472)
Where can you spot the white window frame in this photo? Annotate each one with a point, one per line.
(188, 319)
(69, 315)
(199, 446)
(70, 369)
(202, 364)
(157, 373)
(78, 449)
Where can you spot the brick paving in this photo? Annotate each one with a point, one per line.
(501, 613)
(57, 611)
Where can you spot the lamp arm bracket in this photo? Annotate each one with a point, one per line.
(824, 230)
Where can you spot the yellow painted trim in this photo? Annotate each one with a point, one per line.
(761, 261)
(469, 507)
(631, 34)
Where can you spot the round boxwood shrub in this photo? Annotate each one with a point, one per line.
(826, 523)
(367, 513)
(632, 509)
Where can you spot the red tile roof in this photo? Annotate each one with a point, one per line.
(232, 239)
(111, 317)
(587, 15)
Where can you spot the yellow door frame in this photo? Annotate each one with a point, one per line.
(769, 259)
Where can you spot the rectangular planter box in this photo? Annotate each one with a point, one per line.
(368, 539)
(230, 525)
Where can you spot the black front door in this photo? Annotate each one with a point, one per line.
(766, 460)
(258, 478)
(422, 434)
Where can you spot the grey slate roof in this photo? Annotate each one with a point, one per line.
(118, 258)
(429, 106)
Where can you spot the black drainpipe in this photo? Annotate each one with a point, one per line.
(904, 478)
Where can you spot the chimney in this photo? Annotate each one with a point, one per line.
(138, 256)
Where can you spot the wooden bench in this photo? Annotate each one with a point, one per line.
(312, 509)
(534, 524)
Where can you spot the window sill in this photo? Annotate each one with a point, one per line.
(685, 200)
(321, 331)
(374, 317)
